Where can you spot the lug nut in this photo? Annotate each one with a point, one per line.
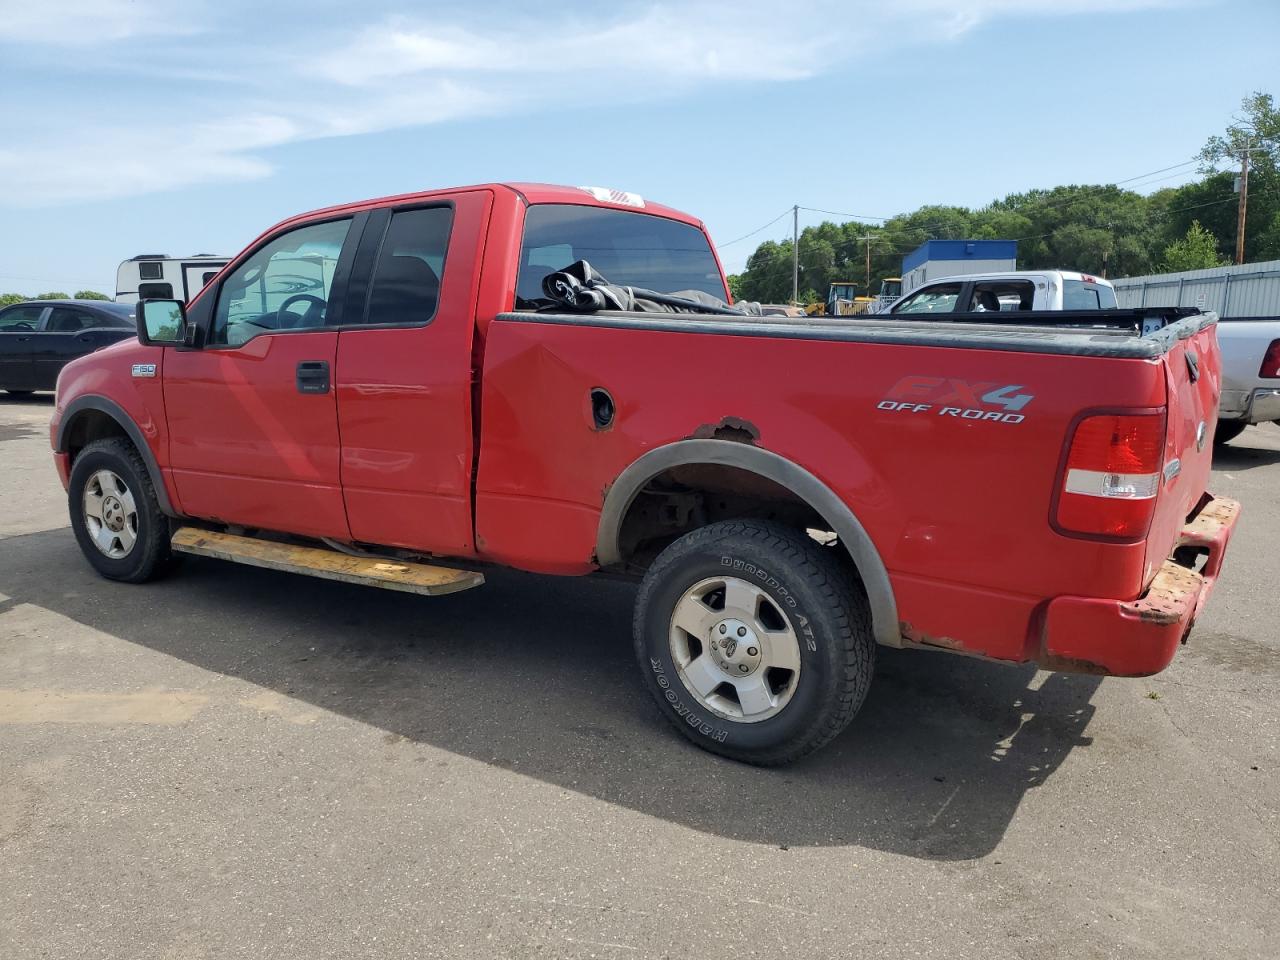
(752, 651)
(742, 667)
(742, 631)
(723, 628)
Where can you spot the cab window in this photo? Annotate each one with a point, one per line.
(69, 320)
(628, 248)
(283, 285)
(1078, 295)
(406, 281)
(940, 298)
(990, 296)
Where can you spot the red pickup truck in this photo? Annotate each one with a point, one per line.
(389, 392)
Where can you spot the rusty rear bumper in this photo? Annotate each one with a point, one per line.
(1137, 638)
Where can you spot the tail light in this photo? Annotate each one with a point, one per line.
(1271, 361)
(1112, 475)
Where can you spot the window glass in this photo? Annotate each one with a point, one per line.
(996, 295)
(283, 285)
(20, 319)
(406, 279)
(1078, 295)
(936, 299)
(150, 270)
(69, 320)
(631, 249)
(155, 291)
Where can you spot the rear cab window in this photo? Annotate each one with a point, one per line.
(628, 248)
(1083, 295)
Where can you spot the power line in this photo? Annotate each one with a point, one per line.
(1142, 176)
(758, 230)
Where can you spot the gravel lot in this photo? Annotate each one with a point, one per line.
(241, 763)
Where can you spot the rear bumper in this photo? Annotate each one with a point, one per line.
(1137, 638)
(1252, 406)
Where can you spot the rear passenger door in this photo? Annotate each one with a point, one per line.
(18, 328)
(70, 332)
(404, 375)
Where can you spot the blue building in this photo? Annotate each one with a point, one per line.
(935, 259)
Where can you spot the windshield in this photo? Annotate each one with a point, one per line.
(1079, 295)
(629, 249)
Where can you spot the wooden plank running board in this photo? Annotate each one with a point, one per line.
(327, 564)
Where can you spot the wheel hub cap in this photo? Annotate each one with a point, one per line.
(113, 514)
(735, 648)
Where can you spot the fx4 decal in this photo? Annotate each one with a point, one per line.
(963, 399)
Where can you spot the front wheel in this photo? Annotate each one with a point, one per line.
(114, 513)
(754, 640)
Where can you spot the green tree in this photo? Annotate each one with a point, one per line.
(1258, 131)
(1197, 250)
(55, 295)
(91, 295)
(9, 298)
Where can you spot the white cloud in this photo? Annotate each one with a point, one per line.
(224, 101)
(94, 22)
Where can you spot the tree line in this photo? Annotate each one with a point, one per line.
(1103, 229)
(7, 299)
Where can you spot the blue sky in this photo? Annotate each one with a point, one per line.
(136, 126)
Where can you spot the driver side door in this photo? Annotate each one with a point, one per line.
(252, 414)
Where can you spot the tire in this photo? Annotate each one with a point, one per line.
(129, 538)
(19, 394)
(785, 588)
(1227, 430)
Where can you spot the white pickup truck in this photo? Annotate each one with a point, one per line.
(1009, 291)
(1250, 374)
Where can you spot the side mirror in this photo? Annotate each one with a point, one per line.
(162, 323)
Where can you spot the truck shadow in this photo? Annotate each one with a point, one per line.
(537, 675)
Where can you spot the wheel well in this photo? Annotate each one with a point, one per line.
(691, 495)
(91, 425)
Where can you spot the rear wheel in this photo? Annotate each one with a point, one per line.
(1227, 430)
(754, 641)
(114, 512)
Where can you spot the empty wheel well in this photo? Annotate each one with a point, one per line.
(692, 495)
(91, 425)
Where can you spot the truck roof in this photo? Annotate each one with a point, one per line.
(1016, 274)
(530, 192)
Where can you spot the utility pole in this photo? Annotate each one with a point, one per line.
(1244, 202)
(795, 254)
(868, 238)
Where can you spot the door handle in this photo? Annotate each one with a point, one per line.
(312, 376)
(23, 339)
(86, 339)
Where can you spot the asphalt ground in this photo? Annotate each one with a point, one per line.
(235, 762)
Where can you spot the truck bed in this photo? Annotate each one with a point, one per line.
(1085, 333)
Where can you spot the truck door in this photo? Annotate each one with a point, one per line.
(18, 327)
(252, 414)
(69, 332)
(404, 375)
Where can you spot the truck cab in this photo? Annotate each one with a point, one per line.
(1014, 291)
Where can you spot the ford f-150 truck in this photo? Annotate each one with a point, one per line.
(395, 393)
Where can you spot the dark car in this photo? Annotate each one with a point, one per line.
(39, 337)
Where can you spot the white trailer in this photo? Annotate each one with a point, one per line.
(159, 277)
